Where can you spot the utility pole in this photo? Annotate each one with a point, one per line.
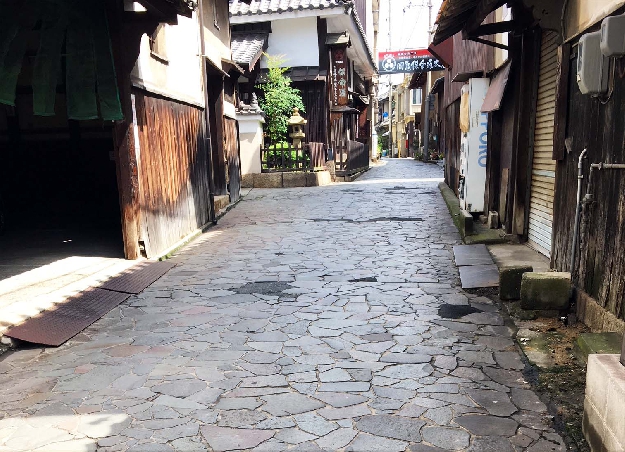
(390, 86)
(428, 83)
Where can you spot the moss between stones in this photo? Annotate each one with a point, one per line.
(453, 206)
(545, 290)
(510, 281)
(482, 235)
(588, 343)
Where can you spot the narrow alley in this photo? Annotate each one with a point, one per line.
(326, 318)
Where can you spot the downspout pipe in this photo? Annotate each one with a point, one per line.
(426, 130)
(578, 210)
(208, 145)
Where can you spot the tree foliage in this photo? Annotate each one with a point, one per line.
(279, 98)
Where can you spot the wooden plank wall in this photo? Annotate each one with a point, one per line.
(452, 145)
(601, 129)
(469, 56)
(173, 171)
(233, 157)
(314, 98)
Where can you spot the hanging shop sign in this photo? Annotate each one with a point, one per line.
(339, 76)
(408, 61)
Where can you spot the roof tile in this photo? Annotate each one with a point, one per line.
(239, 8)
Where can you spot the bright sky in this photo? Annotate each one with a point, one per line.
(409, 22)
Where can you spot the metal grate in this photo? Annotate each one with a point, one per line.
(57, 325)
(137, 278)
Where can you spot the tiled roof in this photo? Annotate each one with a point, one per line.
(247, 46)
(239, 8)
(256, 7)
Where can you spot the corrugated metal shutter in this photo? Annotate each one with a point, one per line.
(543, 167)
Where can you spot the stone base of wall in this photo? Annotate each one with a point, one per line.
(286, 180)
(597, 318)
(604, 404)
(221, 202)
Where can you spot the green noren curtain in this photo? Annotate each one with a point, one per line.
(80, 28)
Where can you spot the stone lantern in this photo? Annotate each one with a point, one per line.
(296, 122)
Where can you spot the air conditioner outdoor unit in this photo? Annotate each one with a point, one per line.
(613, 36)
(592, 66)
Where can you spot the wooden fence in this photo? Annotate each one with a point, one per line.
(351, 157)
(283, 157)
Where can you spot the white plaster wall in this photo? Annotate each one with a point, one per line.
(251, 140)
(296, 39)
(181, 77)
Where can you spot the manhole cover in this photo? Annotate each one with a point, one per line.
(399, 219)
(367, 279)
(452, 311)
(264, 288)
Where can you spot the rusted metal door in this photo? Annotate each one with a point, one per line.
(233, 158)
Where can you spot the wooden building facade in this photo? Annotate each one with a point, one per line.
(309, 36)
(537, 132)
(121, 143)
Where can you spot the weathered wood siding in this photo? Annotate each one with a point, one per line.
(469, 56)
(233, 157)
(600, 129)
(314, 98)
(172, 171)
(452, 145)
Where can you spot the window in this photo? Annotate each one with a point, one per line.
(255, 26)
(158, 43)
(416, 96)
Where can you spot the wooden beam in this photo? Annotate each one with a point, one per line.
(491, 29)
(166, 11)
(562, 102)
(125, 41)
(483, 9)
(490, 43)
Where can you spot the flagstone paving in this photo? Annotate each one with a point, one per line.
(309, 319)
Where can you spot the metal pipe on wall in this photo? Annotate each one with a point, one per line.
(578, 209)
(426, 130)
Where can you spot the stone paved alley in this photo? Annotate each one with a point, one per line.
(307, 320)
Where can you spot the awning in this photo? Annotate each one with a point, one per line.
(344, 109)
(438, 86)
(463, 77)
(452, 17)
(247, 47)
(456, 15)
(333, 39)
(444, 52)
(230, 66)
(418, 80)
(494, 95)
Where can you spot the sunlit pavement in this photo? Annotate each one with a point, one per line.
(308, 319)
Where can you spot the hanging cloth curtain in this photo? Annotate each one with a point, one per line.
(48, 60)
(91, 85)
(17, 20)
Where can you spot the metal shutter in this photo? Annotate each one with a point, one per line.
(543, 167)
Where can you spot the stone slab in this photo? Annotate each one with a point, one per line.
(268, 180)
(294, 179)
(472, 255)
(545, 290)
(476, 276)
(510, 281)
